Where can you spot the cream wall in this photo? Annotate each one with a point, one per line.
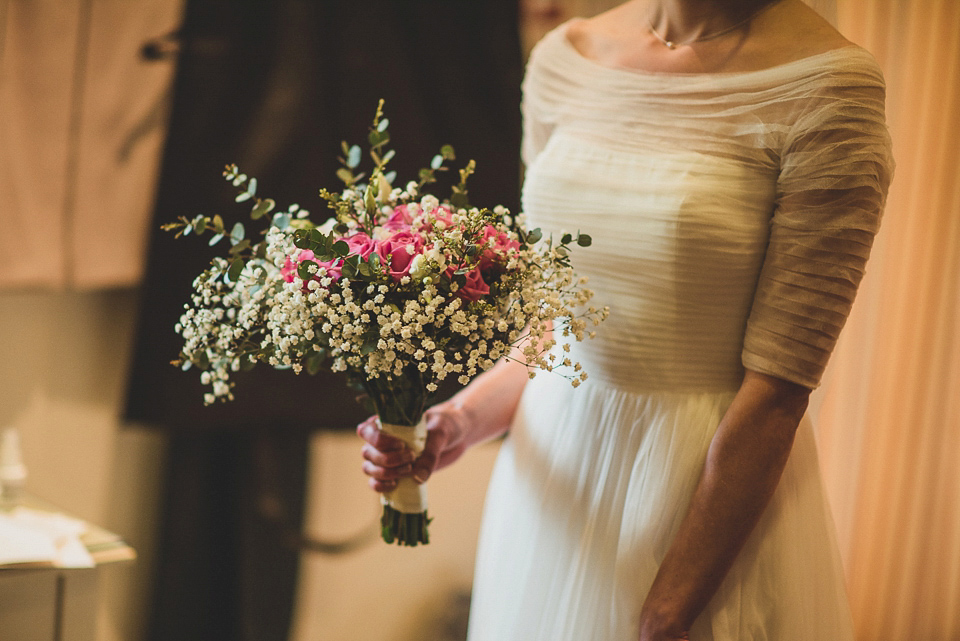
(382, 592)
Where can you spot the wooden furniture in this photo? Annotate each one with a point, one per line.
(57, 604)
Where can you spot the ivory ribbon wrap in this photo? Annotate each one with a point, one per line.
(409, 496)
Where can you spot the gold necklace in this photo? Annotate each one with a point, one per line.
(670, 44)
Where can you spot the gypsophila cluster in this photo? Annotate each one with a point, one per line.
(396, 286)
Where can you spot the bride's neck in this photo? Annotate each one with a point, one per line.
(680, 20)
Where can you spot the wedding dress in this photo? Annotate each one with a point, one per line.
(731, 217)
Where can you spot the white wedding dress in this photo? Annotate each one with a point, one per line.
(731, 215)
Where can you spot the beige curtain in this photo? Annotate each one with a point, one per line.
(889, 419)
(82, 125)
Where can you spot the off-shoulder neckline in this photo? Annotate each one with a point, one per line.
(561, 33)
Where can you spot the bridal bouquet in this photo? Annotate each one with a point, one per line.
(398, 289)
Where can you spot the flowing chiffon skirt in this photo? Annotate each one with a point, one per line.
(585, 498)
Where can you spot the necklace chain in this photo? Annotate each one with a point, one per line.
(670, 44)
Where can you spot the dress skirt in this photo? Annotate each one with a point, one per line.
(586, 496)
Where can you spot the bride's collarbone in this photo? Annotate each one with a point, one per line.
(611, 40)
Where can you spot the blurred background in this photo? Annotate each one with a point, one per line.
(253, 521)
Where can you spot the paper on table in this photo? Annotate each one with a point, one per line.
(30, 536)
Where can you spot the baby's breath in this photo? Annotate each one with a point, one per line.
(463, 288)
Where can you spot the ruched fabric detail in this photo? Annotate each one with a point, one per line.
(718, 198)
(731, 217)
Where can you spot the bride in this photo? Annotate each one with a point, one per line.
(730, 160)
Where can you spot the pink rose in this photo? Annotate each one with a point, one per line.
(399, 219)
(444, 215)
(398, 251)
(361, 244)
(290, 266)
(475, 288)
(495, 253)
(333, 268)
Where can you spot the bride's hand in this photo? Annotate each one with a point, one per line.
(662, 636)
(654, 627)
(387, 458)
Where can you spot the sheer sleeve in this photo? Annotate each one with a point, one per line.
(834, 172)
(537, 122)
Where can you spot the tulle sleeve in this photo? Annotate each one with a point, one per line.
(538, 121)
(835, 169)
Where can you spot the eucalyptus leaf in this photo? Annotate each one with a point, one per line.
(376, 138)
(307, 269)
(391, 176)
(387, 157)
(301, 239)
(340, 248)
(382, 126)
(584, 240)
(187, 229)
(447, 152)
(436, 162)
(200, 225)
(262, 208)
(216, 239)
(240, 247)
(353, 157)
(243, 196)
(566, 238)
(237, 233)
(534, 235)
(236, 267)
(281, 220)
(252, 187)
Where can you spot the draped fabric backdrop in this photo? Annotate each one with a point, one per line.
(889, 414)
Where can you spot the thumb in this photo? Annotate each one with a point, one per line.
(430, 457)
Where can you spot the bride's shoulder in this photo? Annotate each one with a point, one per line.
(604, 35)
(792, 30)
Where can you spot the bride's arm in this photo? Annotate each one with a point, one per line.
(742, 469)
(479, 412)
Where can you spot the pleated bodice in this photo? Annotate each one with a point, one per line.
(731, 213)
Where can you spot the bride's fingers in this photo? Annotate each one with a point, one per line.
(393, 458)
(386, 473)
(379, 440)
(430, 456)
(382, 486)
